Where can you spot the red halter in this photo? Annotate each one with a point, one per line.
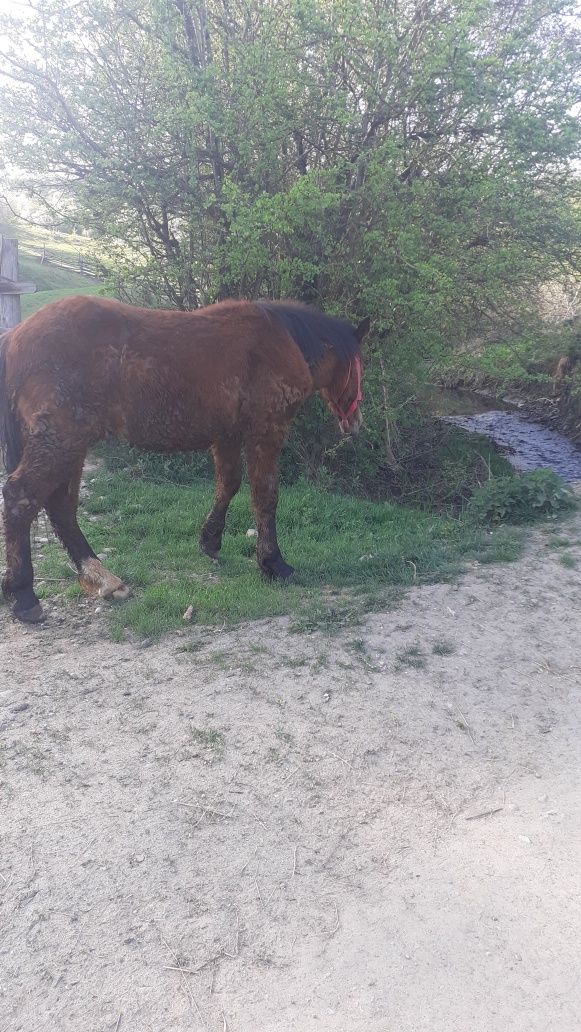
(344, 415)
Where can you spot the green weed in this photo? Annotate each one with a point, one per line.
(568, 561)
(412, 656)
(521, 499)
(209, 738)
(443, 648)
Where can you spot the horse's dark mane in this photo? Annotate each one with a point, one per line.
(312, 331)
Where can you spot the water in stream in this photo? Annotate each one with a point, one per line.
(529, 445)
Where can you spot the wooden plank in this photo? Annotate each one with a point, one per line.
(10, 311)
(72, 268)
(9, 287)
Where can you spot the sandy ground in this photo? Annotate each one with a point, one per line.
(256, 831)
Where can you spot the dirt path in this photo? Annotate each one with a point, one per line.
(264, 832)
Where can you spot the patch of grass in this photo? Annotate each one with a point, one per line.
(352, 556)
(443, 648)
(320, 663)
(412, 656)
(209, 738)
(292, 662)
(191, 646)
(568, 561)
(45, 297)
(284, 736)
(222, 659)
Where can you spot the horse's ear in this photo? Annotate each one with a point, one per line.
(362, 330)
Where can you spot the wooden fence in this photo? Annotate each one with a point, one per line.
(79, 263)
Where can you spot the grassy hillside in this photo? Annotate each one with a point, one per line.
(52, 282)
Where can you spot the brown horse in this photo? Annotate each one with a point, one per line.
(228, 377)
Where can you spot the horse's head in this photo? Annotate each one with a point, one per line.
(342, 392)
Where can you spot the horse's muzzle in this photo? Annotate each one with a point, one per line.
(353, 425)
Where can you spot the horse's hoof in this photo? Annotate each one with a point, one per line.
(210, 548)
(34, 615)
(118, 594)
(277, 569)
(96, 580)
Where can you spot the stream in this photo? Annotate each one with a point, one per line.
(528, 444)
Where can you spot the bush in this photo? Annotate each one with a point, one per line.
(520, 499)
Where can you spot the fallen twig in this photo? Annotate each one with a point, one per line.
(483, 813)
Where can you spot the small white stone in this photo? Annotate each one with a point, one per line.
(252, 532)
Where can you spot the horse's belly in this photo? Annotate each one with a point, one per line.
(168, 432)
(169, 444)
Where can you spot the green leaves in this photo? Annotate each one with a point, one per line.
(520, 499)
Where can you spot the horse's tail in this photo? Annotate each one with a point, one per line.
(10, 436)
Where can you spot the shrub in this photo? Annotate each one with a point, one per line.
(520, 499)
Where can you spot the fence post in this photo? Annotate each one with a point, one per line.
(10, 313)
(10, 288)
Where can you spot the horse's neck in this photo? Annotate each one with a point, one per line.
(324, 372)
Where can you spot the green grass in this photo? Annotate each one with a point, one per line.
(351, 556)
(209, 737)
(32, 302)
(413, 656)
(568, 561)
(443, 648)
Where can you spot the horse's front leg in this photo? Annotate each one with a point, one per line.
(262, 457)
(228, 466)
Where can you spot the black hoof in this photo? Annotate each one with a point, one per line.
(34, 615)
(210, 546)
(209, 549)
(276, 569)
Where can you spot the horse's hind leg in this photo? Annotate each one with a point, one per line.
(228, 467)
(24, 494)
(62, 511)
